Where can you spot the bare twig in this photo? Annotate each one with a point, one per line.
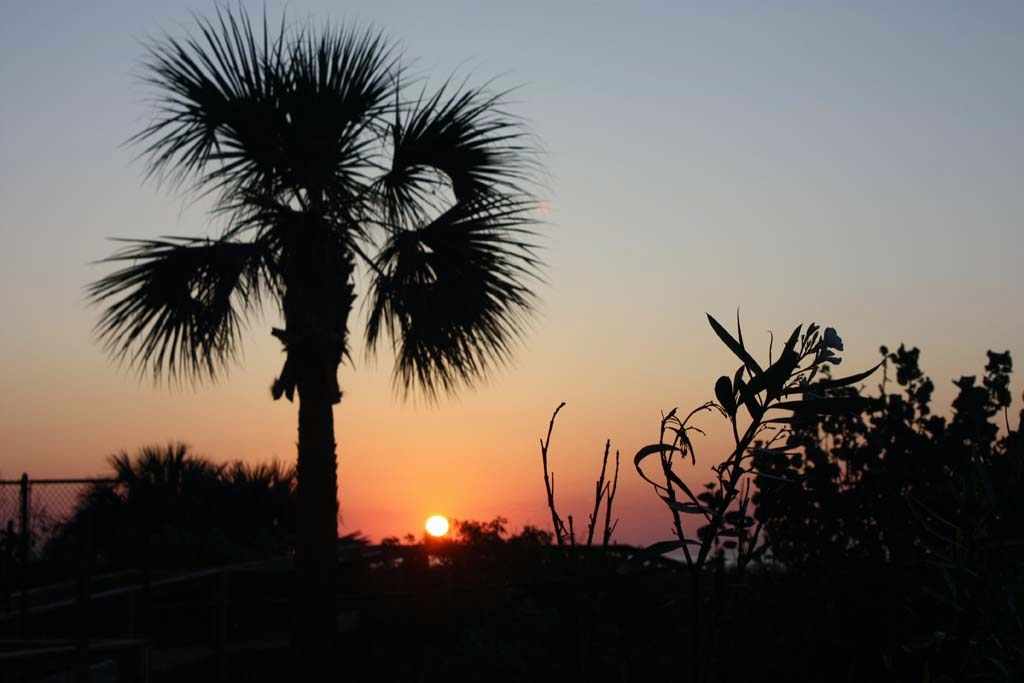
(549, 481)
(670, 479)
(604, 491)
(600, 488)
(609, 528)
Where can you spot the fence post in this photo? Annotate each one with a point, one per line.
(9, 565)
(221, 621)
(23, 550)
(146, 610)
(84, 597)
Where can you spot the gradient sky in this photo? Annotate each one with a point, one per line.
(858, 164)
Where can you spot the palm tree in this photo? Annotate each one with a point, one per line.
(325, 165)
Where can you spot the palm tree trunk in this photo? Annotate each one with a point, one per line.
(317, 532)
(318, 299)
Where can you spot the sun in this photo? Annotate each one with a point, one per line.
(437, 526)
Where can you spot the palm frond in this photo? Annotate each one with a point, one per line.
(218, 117)
(463, 133)
(180, 305)
(269, 475)
(291, 130)
(453, 296)
(293, 116)
(338, 84)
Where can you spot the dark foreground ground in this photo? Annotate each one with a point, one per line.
(494, 614)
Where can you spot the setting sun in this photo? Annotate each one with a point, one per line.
(437, 525)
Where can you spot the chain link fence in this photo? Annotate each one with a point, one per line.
(91, 577)
(32, 513)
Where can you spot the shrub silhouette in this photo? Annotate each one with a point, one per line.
(883, 540)
(930, 505)
(170, 508)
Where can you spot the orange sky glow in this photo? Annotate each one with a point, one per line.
(853, 165)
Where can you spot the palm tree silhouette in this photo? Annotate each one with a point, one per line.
(323, 163)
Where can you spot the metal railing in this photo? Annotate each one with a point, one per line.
(78, 628)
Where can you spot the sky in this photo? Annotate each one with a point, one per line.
(855, 164)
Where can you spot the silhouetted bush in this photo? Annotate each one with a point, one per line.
(929, 506)
(169, 508)
(878, 540)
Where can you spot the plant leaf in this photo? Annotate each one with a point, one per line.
(774, 378)
(835, 405)
(724, 394)
(688, 508)
(827, 384)
(734, 346)
(662, 547)
(795, 420)
(647, 451)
